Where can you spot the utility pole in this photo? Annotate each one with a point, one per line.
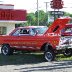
(38, 12)
(47, 9)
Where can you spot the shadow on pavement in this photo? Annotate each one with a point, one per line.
(53, 67)
(21, 59)
(33, 58)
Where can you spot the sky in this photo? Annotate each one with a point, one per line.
(31, 5)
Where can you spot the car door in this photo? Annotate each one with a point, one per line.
(22, 38)
(27, 39)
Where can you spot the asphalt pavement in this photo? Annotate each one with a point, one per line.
(61, 66)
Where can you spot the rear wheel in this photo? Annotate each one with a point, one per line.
(49, 55)
(6, 50)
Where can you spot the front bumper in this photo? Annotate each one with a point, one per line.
(65, 46)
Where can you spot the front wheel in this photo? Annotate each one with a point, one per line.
(49, 55)
(67, 52)
(6, 50)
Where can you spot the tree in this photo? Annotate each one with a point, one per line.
(31, 18)
(66, 14)
(42, 17)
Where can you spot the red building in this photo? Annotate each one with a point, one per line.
(9, 17)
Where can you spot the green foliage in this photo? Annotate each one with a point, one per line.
(61, 57)
(67, 14)
(32, 19)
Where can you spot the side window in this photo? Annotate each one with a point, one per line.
(16, 33)
(24, 32)
(21, 32)
(32, 32)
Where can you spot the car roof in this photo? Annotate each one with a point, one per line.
(32, 27)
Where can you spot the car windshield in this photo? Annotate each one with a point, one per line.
(40, 30)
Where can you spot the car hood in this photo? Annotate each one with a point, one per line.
(57, 25)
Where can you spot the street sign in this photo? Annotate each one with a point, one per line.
(56, 12)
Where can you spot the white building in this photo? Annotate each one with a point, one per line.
(9, 17)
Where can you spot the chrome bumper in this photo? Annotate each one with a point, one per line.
(65, 46)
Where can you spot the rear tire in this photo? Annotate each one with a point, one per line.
(6, 50)
(49, 55)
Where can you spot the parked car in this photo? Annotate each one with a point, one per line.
(67, 37)
(67, 31)
(36, 38)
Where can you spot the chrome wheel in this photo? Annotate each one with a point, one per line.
(5, 50)
(48, 56)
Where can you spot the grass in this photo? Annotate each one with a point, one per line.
(27, 58)
(61, 57)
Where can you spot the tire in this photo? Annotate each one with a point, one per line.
(67, 52)
(6, 50)
(49, 55)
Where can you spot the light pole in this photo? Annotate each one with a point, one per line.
(47, 10)
(38, 13)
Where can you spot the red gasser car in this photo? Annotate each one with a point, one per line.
(35, 38)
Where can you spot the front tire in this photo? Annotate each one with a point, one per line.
(67, 52)
(49, 55)
(6, 50)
